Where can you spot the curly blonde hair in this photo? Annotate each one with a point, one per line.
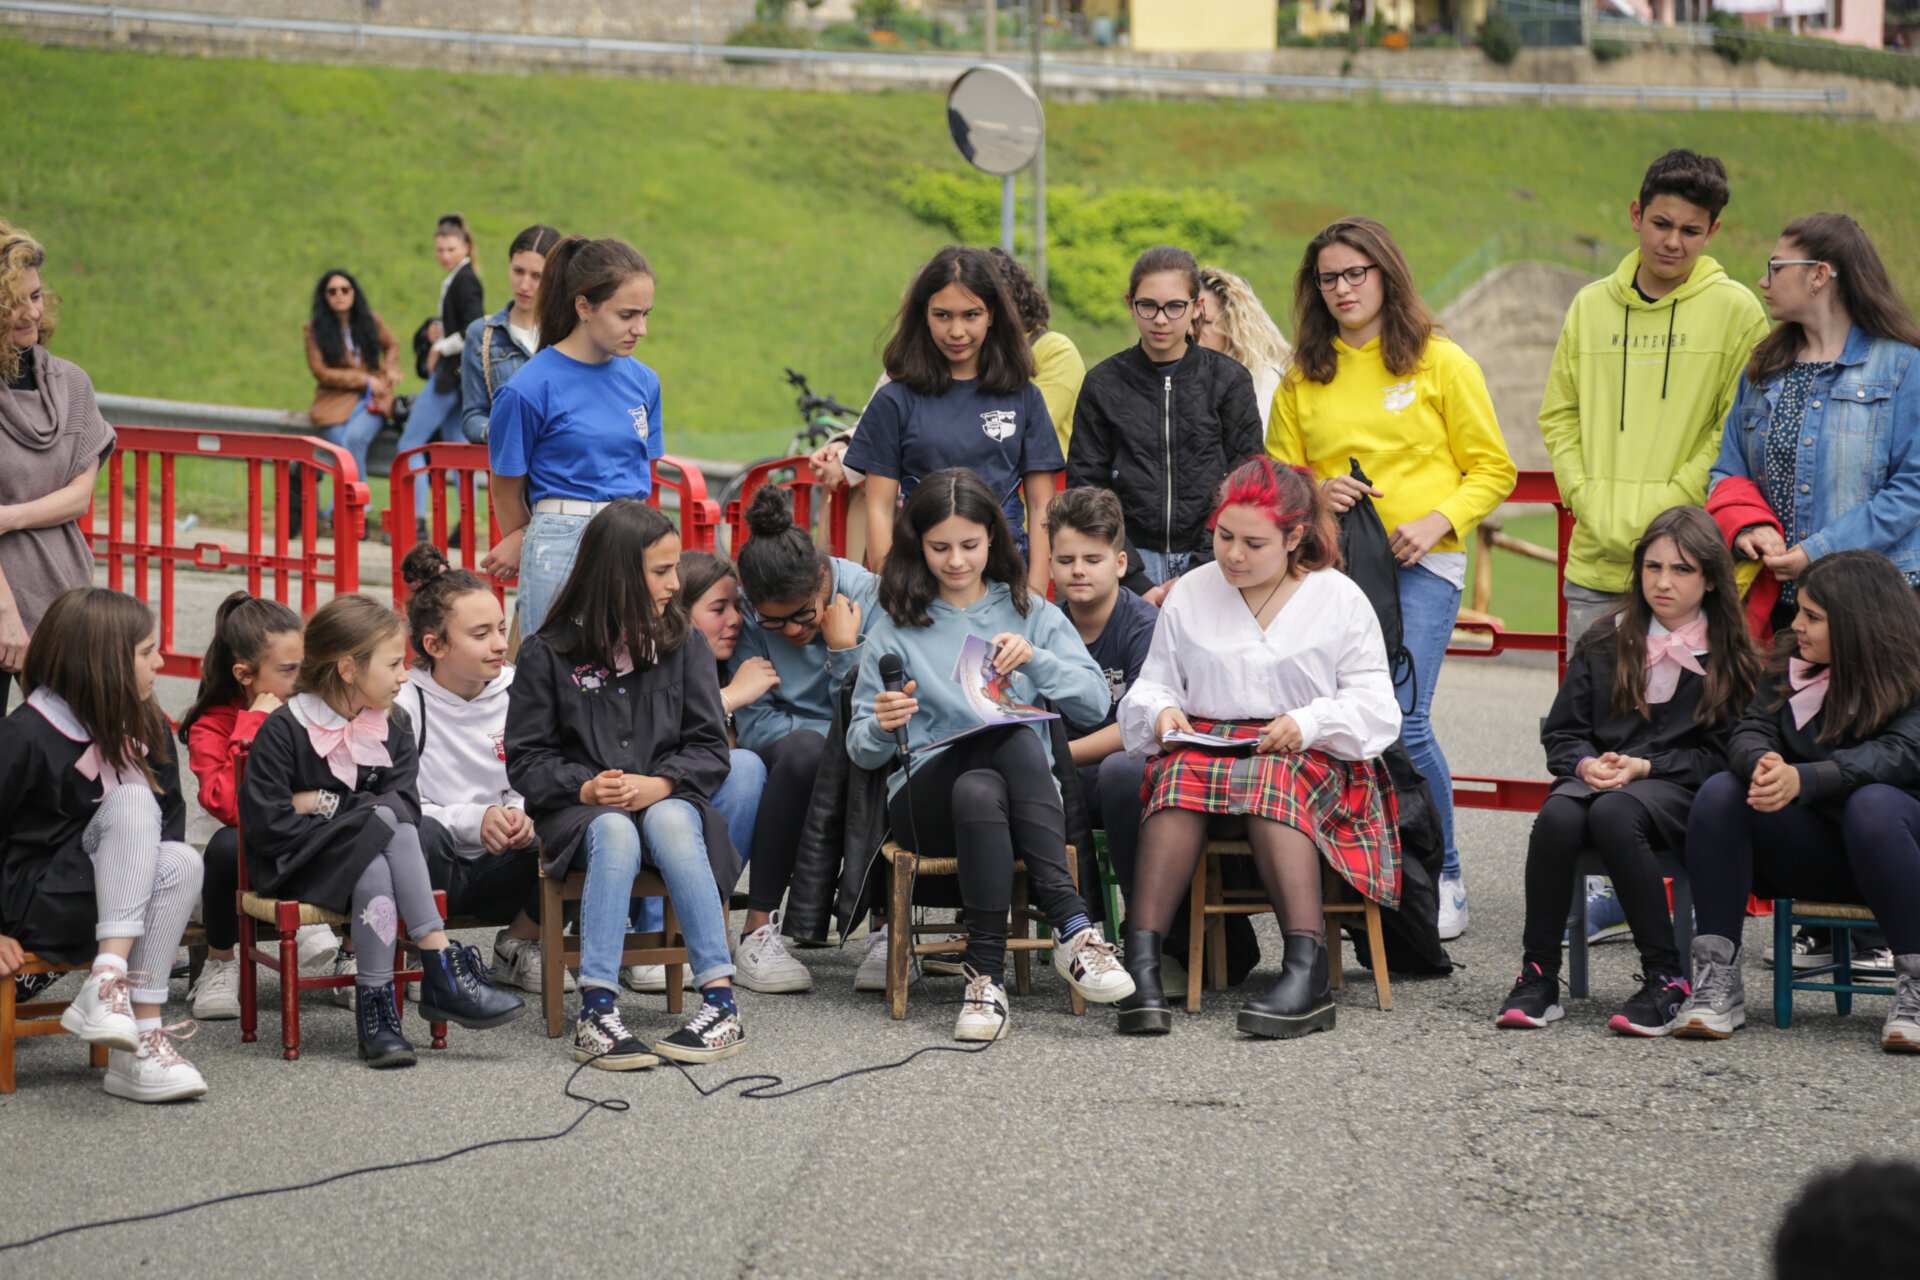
(1251, 336)
(19, 254)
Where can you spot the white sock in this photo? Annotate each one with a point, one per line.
(107, 960)
(146, 1024)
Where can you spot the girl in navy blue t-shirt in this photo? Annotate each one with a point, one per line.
(579, 425)
(961, 395)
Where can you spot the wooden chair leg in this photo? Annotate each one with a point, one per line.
(553, 957)
(249, 981)
(900, 927)
(289, 986)
(1022, 929)
(1196, 933)
(6, 1035)
(1377, 944)
(1075, 1001)
(1216, 927)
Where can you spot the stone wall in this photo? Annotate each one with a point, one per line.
(1509, 322)
(609, 19)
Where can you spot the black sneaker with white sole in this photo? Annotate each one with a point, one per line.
(714, 1032)
(602, 1039)
(1650, 1011)
(1533, 1002)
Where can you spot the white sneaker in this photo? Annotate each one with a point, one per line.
(653, 977)
(983, 1014)
(317, 946)
(520, 963)
(154, 1072)
(216, 997)
(1091, 966)
(103, 1011)
(872, 973)
(1453, 907)
(344, 966)
(761, 962)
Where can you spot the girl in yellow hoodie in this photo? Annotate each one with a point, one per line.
(1374, 383)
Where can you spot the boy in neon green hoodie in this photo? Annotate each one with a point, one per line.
(1643, 378)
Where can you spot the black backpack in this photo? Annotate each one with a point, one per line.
(1368, 559)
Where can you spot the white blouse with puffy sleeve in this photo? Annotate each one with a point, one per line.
(1321, 661)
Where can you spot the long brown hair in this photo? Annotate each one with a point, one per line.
(915, 360)
(243, 627)
(907, 585)
(607, 601)
(347, 626)
(1873, 643)
(1733, 663)
(1867, 294)
(83, 650)
(581, 268)
(1406, 321)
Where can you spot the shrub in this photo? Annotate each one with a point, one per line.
(1092, 238)
(770, 35)
(878, 14)
(1610, 50)
(1499, 39)
(845, 35)
(1813, 54)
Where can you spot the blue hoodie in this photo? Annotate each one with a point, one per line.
(810, 674)
(1060, 670)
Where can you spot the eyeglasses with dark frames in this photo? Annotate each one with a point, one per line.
(1148, 309)
(803, 618)
(1355, 276)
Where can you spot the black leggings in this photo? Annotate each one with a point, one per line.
(220, 889)
(792, 765)
(987, 800)
(1869, 854)
(1621, 830)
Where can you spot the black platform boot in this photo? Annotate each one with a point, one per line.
(381, 1043)
(456, 990)
(1300, 1002)
(1145, 1012)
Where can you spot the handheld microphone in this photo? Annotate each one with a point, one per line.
(893, 675)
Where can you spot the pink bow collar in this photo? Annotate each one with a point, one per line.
(344, 744)
(1671, 652)
(1809, 685)
(93, 763)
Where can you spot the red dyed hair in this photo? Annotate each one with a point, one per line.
(1290, 498)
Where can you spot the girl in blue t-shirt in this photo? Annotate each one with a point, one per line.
(579, 425)
(961, 395)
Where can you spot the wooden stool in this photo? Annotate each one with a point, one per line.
(36, 1017)
(1021, 942)
(1212, 900)
(560, 952)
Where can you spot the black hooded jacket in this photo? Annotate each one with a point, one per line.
(1164, 441)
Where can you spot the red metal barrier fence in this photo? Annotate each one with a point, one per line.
(812, 501)
(273, 550)
(699, 514)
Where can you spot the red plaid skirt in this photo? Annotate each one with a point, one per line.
(1347, 808)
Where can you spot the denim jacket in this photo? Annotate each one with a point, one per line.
(505, 357)
(1858, 474)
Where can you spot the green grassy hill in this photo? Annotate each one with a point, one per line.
(189, 205)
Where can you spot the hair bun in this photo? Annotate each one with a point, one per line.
(422, 565)
(770, 514)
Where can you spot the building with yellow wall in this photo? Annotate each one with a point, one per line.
(1203, 25)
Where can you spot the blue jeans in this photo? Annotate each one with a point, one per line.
(356, 436)
(738, 801)
(670, 834)
(546, 562)
(1159, 566)
(435, 416)
(1428, 606)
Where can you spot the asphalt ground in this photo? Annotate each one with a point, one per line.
(1417, 1142)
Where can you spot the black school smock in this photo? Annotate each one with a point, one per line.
(569, 719)
(46, 877)
(1829, 772)
(1682, 752)
(305, 856)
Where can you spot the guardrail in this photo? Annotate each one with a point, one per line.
(928, 68)
(270, 551)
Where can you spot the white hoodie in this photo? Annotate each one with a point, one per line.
(463, 765)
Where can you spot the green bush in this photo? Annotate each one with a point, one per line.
(1610, 50)
(1092, 238)
(1499, 39)
(770, 35)
(845, 35)
(1812, 54)
(880, 15)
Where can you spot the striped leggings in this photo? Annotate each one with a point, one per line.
(144, 887)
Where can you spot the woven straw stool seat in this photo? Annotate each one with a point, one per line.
(266, 910)
(1832, 910)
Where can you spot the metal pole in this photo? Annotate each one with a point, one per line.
(1006, 213)
(1036, 20)
(993, 29)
